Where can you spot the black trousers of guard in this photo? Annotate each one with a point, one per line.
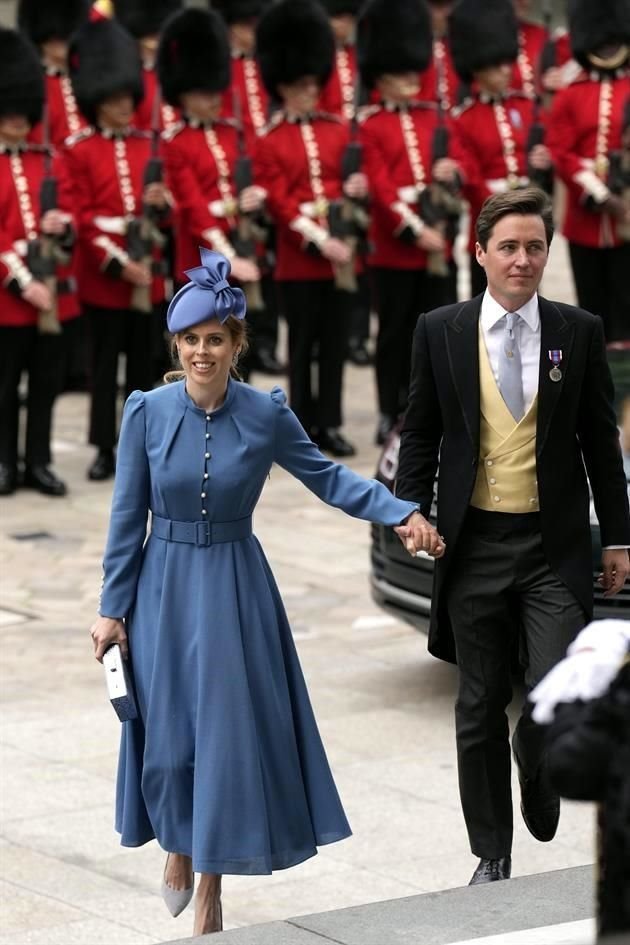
(112, 332)
(501, 588)
(602, 284)
(401, 295)
(24, 349)
(318, 316)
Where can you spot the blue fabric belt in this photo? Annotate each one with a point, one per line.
(201, 533)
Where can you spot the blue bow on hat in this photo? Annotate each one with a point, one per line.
(207, 295)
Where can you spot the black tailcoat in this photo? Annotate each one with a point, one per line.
(576, 434)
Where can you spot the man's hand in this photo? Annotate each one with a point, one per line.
(540, 157)
(251, 199)
(38, 294)
(336, 251)
(54, 223)
(431, 240)
(356, 186)
(445, 170)
(616, 568)
(137, 274)
(156, 195)
(245, 270)
(417, 534)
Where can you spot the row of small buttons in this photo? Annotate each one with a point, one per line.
(206, 456)
(492, 481)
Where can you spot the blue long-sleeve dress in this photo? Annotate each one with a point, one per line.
(225, 763)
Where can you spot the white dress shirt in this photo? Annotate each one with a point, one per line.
(527, 334)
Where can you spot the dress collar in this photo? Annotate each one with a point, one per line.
(189, 403)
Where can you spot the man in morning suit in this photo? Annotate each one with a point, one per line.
(514, 394)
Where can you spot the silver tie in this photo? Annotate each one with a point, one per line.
(510, 369)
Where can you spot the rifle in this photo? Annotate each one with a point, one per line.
(347, 219)
(244, 235)
(439, 205)
(44, 252)
(143, 232)
(619, 170)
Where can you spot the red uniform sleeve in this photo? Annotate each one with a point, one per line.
(562, 141)
(383, 192)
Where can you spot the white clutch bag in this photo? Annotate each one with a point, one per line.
(119, 685)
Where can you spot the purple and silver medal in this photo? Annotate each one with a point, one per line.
(555, 357)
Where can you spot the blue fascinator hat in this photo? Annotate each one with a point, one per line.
(207, 295)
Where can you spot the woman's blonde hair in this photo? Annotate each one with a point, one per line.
(238, 332)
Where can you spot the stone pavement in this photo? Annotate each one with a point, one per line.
(384, 708)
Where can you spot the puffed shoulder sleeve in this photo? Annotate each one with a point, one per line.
(129, 512)
(334, 483)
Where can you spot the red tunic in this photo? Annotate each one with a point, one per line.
(253, 101)
(585, 125)
(339, 94)
(397, 158)
(107, 174)
(440, 82)
(145, 114)
(299, 165)
(199, 164)
(526, 71)
(64, 117)
(21, 175)
(492, 141)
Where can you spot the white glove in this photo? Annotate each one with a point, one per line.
(586, 673)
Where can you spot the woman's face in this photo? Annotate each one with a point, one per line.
(206, 352)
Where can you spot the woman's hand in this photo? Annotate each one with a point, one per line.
(105, 631)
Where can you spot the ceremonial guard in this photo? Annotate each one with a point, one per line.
(440, 82)
(144, 19)
(340, 96)
(494, 125)
(543, 57)
(589, 136)
(413, 182)
(119, 213)
(299, 164)
(36, 235)
(49, 26)
(246, 102)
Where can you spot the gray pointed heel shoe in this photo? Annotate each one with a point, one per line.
(176, 899)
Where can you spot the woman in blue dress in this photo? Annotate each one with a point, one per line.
(224, 764)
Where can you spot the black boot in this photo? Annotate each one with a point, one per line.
(8, 479)
(333, 442)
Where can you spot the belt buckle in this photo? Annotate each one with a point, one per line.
(202, 533)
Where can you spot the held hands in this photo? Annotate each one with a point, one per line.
(38, 294)
(615, 570)
(356, 186)
(137, 274)
(336, 251)
(417, 534)
(244, 270)
(105, 631)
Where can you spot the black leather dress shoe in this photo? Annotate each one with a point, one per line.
(44, 480)
(385, 426)
(103, 466)
(8, 479)
(359, 354)
(540, 805)
(331, 441)
(490, 871)
(266, 362)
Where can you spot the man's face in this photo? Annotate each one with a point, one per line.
(440, 11)
(300, 96)
(515, 259)
(495, 79)
(116, 111)
(14, 128)
(343, 28)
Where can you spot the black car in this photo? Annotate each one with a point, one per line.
(402, 585)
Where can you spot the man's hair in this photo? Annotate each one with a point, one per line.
(526, 201)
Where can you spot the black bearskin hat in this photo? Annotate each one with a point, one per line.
(194, 53)
(104, 60)
(145, 17)
(51, 19)
(294, 39)
(482, 33)
(393, 36)
(235, 11)
(594, 23)
(21, 77)
(339, 7)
